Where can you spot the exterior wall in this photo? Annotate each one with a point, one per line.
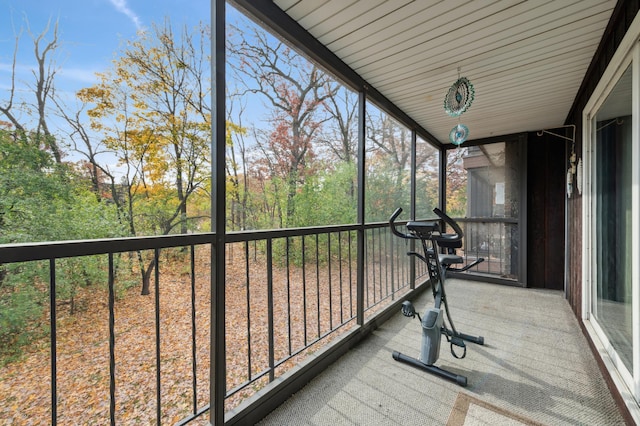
(620, 21)
(545, 211)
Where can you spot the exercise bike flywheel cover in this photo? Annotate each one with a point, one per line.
(459, 97)
(459, 134)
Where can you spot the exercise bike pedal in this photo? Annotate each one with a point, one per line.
(408, 310)
(457, 341)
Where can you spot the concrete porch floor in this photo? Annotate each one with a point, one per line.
(535, 368)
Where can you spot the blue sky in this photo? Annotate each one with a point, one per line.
(90, 34)
(90, 31)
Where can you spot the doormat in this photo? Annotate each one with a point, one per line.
(468, 410)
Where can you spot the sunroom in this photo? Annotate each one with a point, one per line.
(540, 167)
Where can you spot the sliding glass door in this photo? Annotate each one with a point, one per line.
(611, 208)
(612, 161)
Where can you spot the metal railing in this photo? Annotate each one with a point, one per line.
(288, 293)
(497, 240)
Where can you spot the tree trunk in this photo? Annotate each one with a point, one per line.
(146, 275)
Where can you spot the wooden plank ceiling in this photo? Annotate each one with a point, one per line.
(526, 59)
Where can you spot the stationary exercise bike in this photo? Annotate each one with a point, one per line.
(434, 241)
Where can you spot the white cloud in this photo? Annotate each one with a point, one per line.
(79, 75)
(122, 7)
(25, 73)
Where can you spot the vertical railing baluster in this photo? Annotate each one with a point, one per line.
(350, 275)
(405, 263)
(471, 241)
(379, 252)
(411, 271)
(489, 250)
(330, 287)
(502, 231)
(304, 289)
(374, 274)
(478, 243)
(340, 276)
(487, 238)
(392, 256)
(488, 247)
(497, 239)
(248, 293)
(398, 266)
(367, 260)
(318, 283)
(376, 252)
(156, 255)
(371, 268)
(400, 263)
(194, 359)
(288, 294)
(112, 344)
(370, 281)
(491, 241)
(270, 330)
(383, 265)
(54, 341)
(386, 263)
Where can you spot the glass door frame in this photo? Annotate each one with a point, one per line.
(627, 382)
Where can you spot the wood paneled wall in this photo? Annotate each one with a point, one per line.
(545, 211)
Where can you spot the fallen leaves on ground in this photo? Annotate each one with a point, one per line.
(305, 306)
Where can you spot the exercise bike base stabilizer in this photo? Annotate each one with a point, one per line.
(430, 234)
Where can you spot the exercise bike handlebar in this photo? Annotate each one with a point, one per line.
(395, 231)
(451, 238)
(457, 235)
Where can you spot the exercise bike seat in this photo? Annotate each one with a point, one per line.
(449, 241)
(450, 259)
(423, 229)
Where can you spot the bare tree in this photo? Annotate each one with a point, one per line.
(294, 89)
(42, 88)
(390, 140)
(236, 166)
(340, 136)
(44, 79)
(8, 108)
(83, 144)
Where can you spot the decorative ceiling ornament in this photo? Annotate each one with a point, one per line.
(459, 134)
(459, 97)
